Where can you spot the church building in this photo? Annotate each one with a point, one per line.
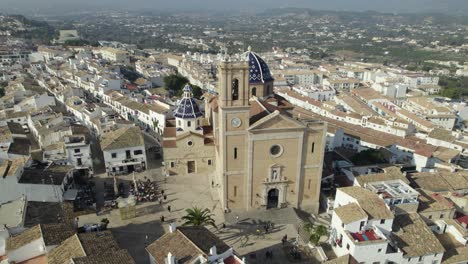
(261, 157)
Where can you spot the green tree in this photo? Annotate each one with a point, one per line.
(2, 88)
(198, 217)
(197, 91)
(175, 83)
(368, 157)
(453, 93)
(315, 232)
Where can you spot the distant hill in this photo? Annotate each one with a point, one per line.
(409, 18)
(38, 32)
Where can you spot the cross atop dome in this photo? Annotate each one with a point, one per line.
(187, 91)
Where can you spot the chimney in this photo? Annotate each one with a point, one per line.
(170, 259)
(213, 251)
(172, 227)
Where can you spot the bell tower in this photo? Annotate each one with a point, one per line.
(232, 140)
(233, 83)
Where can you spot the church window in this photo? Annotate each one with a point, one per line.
(235, 191)
(308, 184)
(209, 162)
(254, 91)
(235, 153)
(276, 150)
(179, 123)
(235, 90)
(189, 123)
(313, 147)
(190, 143)
(172, 164)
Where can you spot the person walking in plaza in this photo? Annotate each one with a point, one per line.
(169, 208)
(162, 218)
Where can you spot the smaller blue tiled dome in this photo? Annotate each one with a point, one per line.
(188, 107)
(259, 71)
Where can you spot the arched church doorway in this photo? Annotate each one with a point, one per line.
(273, 197)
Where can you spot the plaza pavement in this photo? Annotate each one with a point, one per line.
(187, 191)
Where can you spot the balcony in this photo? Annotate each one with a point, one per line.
(269, 180)
(369, 235)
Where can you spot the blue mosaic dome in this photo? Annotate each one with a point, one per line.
(259, 71)
(188, 107)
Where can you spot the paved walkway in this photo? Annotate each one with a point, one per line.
(277, 216)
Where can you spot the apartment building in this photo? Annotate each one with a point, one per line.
(124, 150)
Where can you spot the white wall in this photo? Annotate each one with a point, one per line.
(33, 249)
(84, 154)
(121, 156)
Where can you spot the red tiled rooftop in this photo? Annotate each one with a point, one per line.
(463, 220)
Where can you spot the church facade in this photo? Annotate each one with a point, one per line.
(263, 158)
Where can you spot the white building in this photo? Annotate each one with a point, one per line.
(364, 227)
(173, 247)
(124, 150)
(34, 181)
(78, 152)
(319, 93)
(114, 55)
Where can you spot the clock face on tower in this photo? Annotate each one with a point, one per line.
(236, 122)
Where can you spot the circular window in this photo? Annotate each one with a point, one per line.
(190, 143)
(276, 150)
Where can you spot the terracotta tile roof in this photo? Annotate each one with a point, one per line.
(177, 244)
(419, 146)
(257, 111)
(350, 213)
(390, 173)
(186, 244)
(300, 97)
(55, 234)
(95, 243)
(124, 137)
(414, 237)
(368, 135)
(70, 248)
(430, 201)
(24, 238)
(203, 238)
(369, 202)
(440, 181)
(113, 257)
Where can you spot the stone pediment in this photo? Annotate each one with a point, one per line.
(276, 120)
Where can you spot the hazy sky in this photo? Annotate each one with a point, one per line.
(52, 6)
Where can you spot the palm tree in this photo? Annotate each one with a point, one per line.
(198, 217)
